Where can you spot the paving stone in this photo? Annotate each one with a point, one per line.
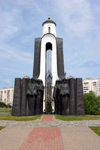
(12, 137)
(47, 118)
(49, 135)
(44, 138)
(80, 138)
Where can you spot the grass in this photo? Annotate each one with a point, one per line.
(96, 130)
(1, 127)
(98, 112)
(76, 118)
(19, 118)
(5, 109)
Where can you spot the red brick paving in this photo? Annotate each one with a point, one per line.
(44, 138)
(47, 118)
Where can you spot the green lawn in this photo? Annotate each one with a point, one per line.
(96, 130)
(1, 127)
(73, 118)
(19, 118)
(5, 109)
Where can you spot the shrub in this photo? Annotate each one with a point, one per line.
(9, 106)
(91, 103)
(3, 105)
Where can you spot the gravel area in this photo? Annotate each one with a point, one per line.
(55, 122)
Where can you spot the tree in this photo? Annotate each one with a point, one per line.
(99, 101)
(91, 103)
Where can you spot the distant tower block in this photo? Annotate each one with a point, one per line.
(48, 41)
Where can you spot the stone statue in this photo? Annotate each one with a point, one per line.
(64, 95)
(39, 99)
(35, 96)
(57, 99)
(61, 96)
(31, 96)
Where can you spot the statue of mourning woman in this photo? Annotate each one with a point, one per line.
(35, 91)
(62, 97)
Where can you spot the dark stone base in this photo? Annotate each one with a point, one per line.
(28, 97)
(68, 96)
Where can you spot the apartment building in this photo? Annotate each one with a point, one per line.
(89, 84)
(6, 95)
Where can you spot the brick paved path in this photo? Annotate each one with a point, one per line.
(48, 134)
(44, 138)
(47, 118)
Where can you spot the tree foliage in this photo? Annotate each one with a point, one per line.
(92, 103)
(98, 100)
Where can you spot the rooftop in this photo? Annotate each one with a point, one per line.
(48, 21)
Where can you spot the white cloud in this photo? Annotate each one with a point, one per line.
(76, 16)
(10, 26)
(13, 53)
(9, 29)
(6, 25)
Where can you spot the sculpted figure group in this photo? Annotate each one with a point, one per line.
(35, 96)
(61, 97)
(28, 97)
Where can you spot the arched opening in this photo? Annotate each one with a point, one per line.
(48, 61)
(48, 78)
(48, 46)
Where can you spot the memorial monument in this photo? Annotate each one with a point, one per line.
(48, 90)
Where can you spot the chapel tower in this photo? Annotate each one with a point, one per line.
(54, 69)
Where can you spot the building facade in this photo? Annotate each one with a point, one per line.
(6, 95)
(89, 84)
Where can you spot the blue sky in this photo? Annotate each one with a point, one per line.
(78, 23)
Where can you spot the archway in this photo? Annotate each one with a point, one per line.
(48, 78)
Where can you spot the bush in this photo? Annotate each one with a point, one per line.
(3, 105)
(92, 103)
(9, 106)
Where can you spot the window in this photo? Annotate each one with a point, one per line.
(49, 29)
(86, 83)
